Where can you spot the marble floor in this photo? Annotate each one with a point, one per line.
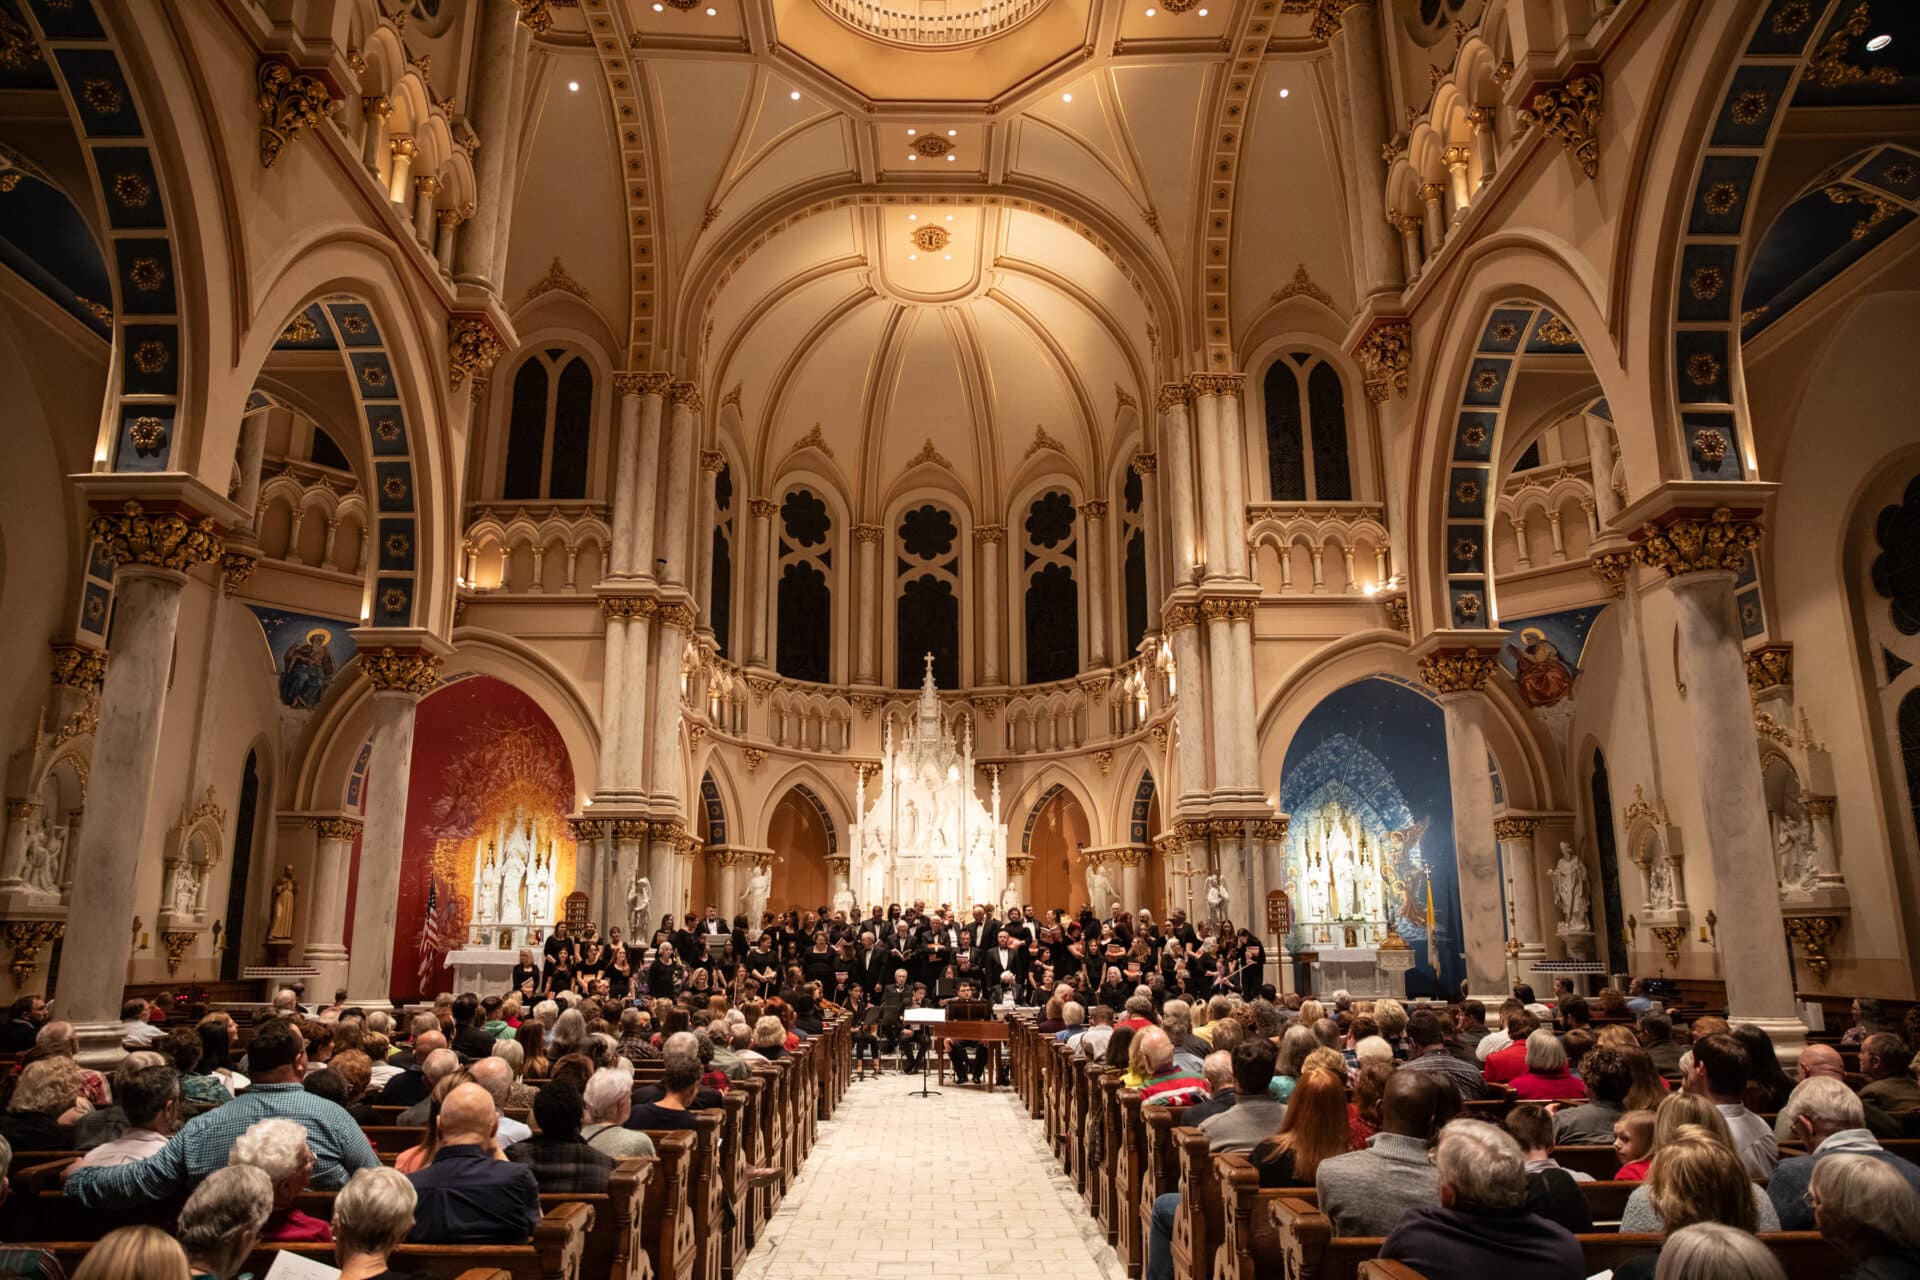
(905, 1188)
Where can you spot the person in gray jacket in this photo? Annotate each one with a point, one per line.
(1254, 1117)
(1364, 1193)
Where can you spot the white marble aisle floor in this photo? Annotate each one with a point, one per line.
(904, 1188)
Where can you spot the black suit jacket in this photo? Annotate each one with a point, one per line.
(873, 969)
(992, 964)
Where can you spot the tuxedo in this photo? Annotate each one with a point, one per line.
(872, 969)
(715, 927)
(981, 936)
(995, 961)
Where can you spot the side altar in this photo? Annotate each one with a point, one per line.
(513, 890)
(1346, 884)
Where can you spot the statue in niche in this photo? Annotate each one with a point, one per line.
(486, 890)
(1660, 885)
(639, 902)
(1316, 899)
(1219, 898)
(540, 888)
(513, 873)
(1793, 851)
(843, 902)
(759, 889)
(1100, 891)
(1570, 891)
(41, 867)
(280, 924)
(186, 889)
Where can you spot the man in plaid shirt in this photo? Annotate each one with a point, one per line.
(278, 1055)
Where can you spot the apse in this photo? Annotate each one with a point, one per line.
(1370, 762)
(490, 780)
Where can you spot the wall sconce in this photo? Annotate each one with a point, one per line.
(1710, 934)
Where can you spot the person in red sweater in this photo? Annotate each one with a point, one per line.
(1547, 1078)
(1168, 1085)
(1505, 1065)
(278, 1148)
(1633, 1143)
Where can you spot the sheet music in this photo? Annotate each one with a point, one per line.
(925, 1015)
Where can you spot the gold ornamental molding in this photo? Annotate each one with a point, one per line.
(26, 938)
(1172, 396)
(712, 461)
(1615, 569)
(1215, 384)
(558, 280)
(290, 101)
(760, 687)
(1386, 352)
(1692, 543)
(1145, 464)
(1570, 112)
(1104, 758)
(1191, 831)
(235, 568)
(1515, 828)
(688, 394)
(866, 770)
(866, 704)
(1458, 671)
(990, 534)
(1671, 936)
(1178, 617)
(763, 507)
(1301, 286)
(867, 533)
(585, 830)
(1272, 828)
(176, 539)
(630, 607)
(1399, 616)
(681, 617)
(79, 667)
(642, 383)
(392, 670)
(1041, 440)
(755, 757)
(1769, 667)
(343, 829)
(695, 732)
(928, 455)
(1226, 609)
(1812, 934)
(535, 15)
(177, 944)
(630, 829)
(1094, 509)
(473, 345)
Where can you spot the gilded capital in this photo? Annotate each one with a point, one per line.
(1770, 666)
(1179, 617)
(393, 670)
(680, 617)
(1173, 395)
(343, 829)
(536, 15)
(1386, 352)
(1515, 828)
(1145, 464)
(163, 539)
(867, 533)
(585, 830)
(642, 383)
(712, 461)
(1094, 509)
(1695, 544)
(1432, 191)
(688, 394)
(630, 828)
(612, 607)
(1458, 671)
(1216, 384)
(1570, 112)
(1615, 568)
(763, 507)
(990, 534)
(235, 568)
(1271, 828)
(472, 347)
(427, 185)
(79, 667)
(289, 102)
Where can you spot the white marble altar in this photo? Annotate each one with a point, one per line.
(1357, 971)
(483, 969)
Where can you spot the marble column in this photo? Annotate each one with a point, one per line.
(1701, 554)
(1133, 877)
(1364, 57)
(378, 108)
(646, 472)
(1175, 407)
(1093, 515)
(1182, 622)
(678, 475)
(490, 111)
(1408, 227)
(1436, 224)
(400, 679)
(675, 629)
(1486, 150)
(663, 869)
(1147, 467)
(512, 142)
(614, 690)
(153, 552)
(590, 871)
(1212, 488)
(1460, 196)
(447, 246)
(399, 181)
(987, 540)
(1220, 694)
(866, 552)
(426, 189)
(1244, 726)
(326, 948)
(1460, 678)
(641, 703)
(712, 463)
(626, 472)
(760, 575)
(1516, 838)
(1233, 469)
(1600, 463)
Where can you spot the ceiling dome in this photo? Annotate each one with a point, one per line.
(933, 23)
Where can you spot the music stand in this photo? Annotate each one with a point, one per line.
(924, 1016)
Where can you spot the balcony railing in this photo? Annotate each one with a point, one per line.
(931, 23)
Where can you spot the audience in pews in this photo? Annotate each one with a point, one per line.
(1365, 1193)
(1870, 1215)
(1484, 1222)
(562, 1161)
(278, 1148)
(372, 1216)
(47, 1103)
(1887, 1063)
(223, 1218)
(1695, 1177)
(1430, 1052)
(1719, 1069)
(1826, 1118)
(1633, 1145)
(469, 1192)
(1718, 1251)
(150, 1099)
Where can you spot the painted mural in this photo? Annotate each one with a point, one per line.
(490, 790)
(1542, 653)
(1370, 842)
(307, 653)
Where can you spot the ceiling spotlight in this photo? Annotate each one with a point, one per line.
(795, 95)
(1285, 92)
(913, 217)
(1066, 97)
(1203, 13)
(1879, 42)
(949, 257)
(953, 133)
(911, 132)
(573, 86)
(1151, 12)
(951, 158)
(659, 8)
(949, 217)
(913, 257)
(711, 12)
(912, 156)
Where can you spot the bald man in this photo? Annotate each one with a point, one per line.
(1816, 1061)
(411, 1085)
(471, 1193)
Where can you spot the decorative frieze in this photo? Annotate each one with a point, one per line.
(642, 383)
(344, 829)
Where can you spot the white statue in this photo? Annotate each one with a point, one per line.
(759, 889)
(639, 900)
(1101, 894)
(1316, 899)
(186, 889)
(1219, 898)
(1009, 899)
(843, 902)
(1660, 885)
(486, 892)
(540, 892)
(513, 879)
(59, 848)
(39, 869)
(1793, 846)
(1570, 891)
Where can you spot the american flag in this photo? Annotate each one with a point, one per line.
(435, 930)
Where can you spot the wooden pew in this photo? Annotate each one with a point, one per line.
(1598, 1162)
(668, 1229)
(1803, 1255)
(1199, 1226)
(1130, 1154)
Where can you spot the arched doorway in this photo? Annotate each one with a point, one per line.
(1055, 832)
(801, 836)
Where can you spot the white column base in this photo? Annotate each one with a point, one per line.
(100, 1046)
(1789, 1035)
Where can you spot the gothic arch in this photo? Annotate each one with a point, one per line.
(827, 800)
(1032, 798)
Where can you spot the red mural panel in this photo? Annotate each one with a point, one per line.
(485, 760)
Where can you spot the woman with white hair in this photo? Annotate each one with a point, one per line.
(1481, 1225)
(1547, 1078)
(770, 1038)
(1716, 1251)
(222, 1220)
(609, 1098)
(372, 1216)
(1869, 1214)
(519, 1093)
(278, 1148)
(569, 1035)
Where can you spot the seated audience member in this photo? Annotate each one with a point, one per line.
(199, 1087)
(1826, 1118)
(46, 1104)
(1825, 1060)
(1507, 1064)
(1633, 1145)
(1656, 1037)
(769, 1038)
(1869, 1016)
(1471, 1031)
(412, 1086)
(472, 1194)
(1547, 1078)
(1719, 1070)
(144, 1252)
(1092, 1043)
(1430, 1053)
(222, 1220)
(496, 1077)
(609, 1102)
(371, 1218)
(25, 1017)
(1607, 1077)
(1295, 1044)
(136, 1031)
(1363, 1102)
(1553, 1192)
(1313, 1130)
(1870, 1215)
(1169, 1081)
(562, 1162)
(278, 1055)
(1252, 1116)
(519, 1093)
(1217, 1069)
(1483, 1224)
(680, 1083)
(1714, 1251)
(150, 1099)
(1887, 1063)
(1497, 1037)
(471, 1039)
(1767, 1084)
(1698, 1187)
(278, 1148)
(437, 1066)
(355, 1070)
(1364, 1193)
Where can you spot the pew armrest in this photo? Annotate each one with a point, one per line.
(560, 1239)
(1387, 1269)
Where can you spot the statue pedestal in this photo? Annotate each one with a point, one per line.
(1579, 942)
(484, 971)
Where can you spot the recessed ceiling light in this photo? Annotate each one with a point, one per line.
(1151, 12)
(1203, 13)
(1285, 92)
(1066, 97)
(952, 158)
(913, 217)
(912, 156)
(949, 217)
(913, 257)
(949, 257)
(659, 8)
(953, 133)
(911, 132)
(711, 12)
(795, 95)
(573, 86)
(1879, 42)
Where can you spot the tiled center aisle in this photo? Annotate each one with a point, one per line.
(904, 1188)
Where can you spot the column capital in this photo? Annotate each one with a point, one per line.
(1460, 661)
(172, 536)
(1179, 617)
(403, 146)
(642, 383)
(712, 461)
(1432, 191)
(1274, 828)
(474, 343)
(427, 185)
(412, 671)
(78, 666)
(1226, 608)
(630, 607)
(688, 394)
(763, 507)
(867, 533)
(1613, 564)
(1770, 667)
(1215, 384)
(1385, 350)
(584, 830)
(1145, 464)
(1094, 509)
(1173, 395)
(1688, 542)
(1515, 828)
(347, 829)
(989, 534)
(679, 616)
(1455, 157)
